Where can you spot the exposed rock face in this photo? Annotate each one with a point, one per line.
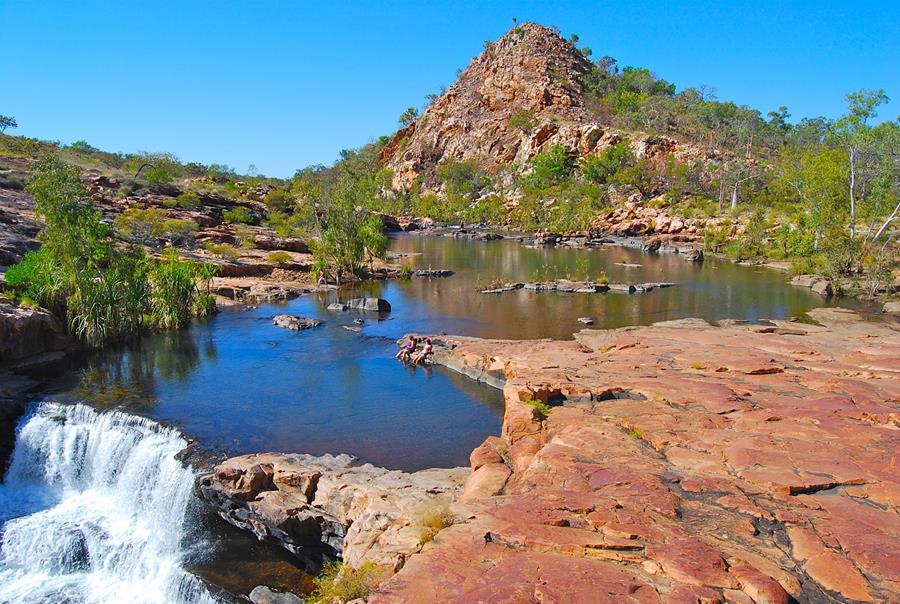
(680, 463)
(329, 505)
(530, 69)
(18, 228)
(28, 332)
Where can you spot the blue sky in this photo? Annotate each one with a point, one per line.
(285, 84)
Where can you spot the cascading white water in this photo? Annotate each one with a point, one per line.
(93, 509)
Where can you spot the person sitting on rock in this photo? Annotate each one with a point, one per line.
(422, 355)
(322, 278)
(405, 353)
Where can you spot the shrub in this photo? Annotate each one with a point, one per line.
(432, 517)
(239, 214)
(179, 232)
(599, 168)
(523, 120)
(551, 167)
(188, 201)
(172, 291)
(341, 583)
(280, 258)
(226, 251)
(542, 407)
(406, 270)
(279, 200)
(141, 225)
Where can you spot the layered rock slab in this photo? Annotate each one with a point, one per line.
(330, 506)
(679, 463)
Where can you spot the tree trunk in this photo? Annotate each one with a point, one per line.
(734, 196)
(853, 152)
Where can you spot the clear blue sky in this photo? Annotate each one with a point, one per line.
(286, 84)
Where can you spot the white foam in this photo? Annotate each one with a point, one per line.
(94, 506)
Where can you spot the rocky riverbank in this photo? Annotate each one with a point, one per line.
(681, 462)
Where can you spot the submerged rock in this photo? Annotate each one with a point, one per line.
(295, 323)
(820, 285)
(433, 272)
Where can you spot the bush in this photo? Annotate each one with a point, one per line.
(406, 270)
(342, 583)
(551, 167)
(599, 168)
(141, 225)
(238, 214)
(188, 201)
(279, 200)
(523, 120)
(226, 251)
(432, 517)
(179, 232)
(172, 291)
(542, 407)
(280, 258)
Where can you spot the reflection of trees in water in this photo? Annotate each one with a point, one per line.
(127, 376)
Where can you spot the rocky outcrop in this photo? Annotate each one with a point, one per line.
(332, 506)
(681, 462)
(29, 334)
(530, 73)
(18, 227)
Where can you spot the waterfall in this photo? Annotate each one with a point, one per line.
(93, 509)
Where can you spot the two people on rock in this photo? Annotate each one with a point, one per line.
(409, 351)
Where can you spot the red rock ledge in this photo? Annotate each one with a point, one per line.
(679, 463)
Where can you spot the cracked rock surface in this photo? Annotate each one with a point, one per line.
(679, 463)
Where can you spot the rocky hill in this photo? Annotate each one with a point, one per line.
(520, 96)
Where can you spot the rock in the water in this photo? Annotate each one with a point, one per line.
(295, 323)
(891, 307)
(370, 304)
(263, 595)
(433, 272)
(586, 320)
(337, 306)
(820, 285)
(694, 255)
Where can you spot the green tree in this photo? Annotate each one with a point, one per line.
(408, 116)
(853, 132)
(7, 121)
(599, 168)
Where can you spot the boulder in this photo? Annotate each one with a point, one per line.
(891, 307)
(817, 283)
(29, 332)
(693, 255)
(370, 304)
(337, 306)
(295, 323)
(263, 595)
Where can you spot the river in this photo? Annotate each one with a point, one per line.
(96, 508)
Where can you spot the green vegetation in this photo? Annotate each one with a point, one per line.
(524, 120)
(279, 257)
(408, 116)
(406, 270)
(148, 226)
(341, 583)
(541, 407)
(101, 292)
(226, 251)
(7, 121)
(238, 214)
